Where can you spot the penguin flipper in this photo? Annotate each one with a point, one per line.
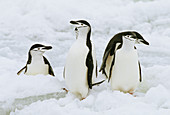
(110, 73)
(50, 68)
(90, 67)
(19, 72)
(113, 45)
(140, 73)
(105, 56)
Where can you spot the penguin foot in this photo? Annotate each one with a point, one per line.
(82, 99)
(65, 90)
(131, 93)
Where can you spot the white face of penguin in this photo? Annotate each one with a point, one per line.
(39, 50)
(130, 37)
(81, 26)
(136, 39)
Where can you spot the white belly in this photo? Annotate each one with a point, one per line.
(35, 69)
(76, 69)
(125, 73)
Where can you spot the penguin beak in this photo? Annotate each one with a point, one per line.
(74, 22)
(143, 41)
(140, 39)
(78, 25)
(46, 48)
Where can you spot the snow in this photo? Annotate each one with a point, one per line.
(26, 22)
(105, 102)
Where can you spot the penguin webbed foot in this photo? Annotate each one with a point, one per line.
(82, 98)
(133, 94)
(65, 90)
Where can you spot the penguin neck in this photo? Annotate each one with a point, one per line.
(37, 59)
(127, 44)
(83, 35)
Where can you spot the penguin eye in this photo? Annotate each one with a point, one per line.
(128, 36)
(38, 48)
(82, 24)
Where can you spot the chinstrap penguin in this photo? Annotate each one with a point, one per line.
(81, 66)
(120, 61)
(37, 63)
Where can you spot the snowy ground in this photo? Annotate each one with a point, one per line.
(25, 22)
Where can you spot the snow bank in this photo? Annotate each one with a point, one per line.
(106, 102)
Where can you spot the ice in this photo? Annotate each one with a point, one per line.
(26, 22)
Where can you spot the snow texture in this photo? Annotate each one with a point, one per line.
(26, 22)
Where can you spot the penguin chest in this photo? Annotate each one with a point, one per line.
(76, 69)
(125, 73)
(37, 68)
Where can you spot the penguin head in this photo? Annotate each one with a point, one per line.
(81, 26)
(135, 36)
(38, 49)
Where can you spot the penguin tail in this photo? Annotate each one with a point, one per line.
(100, 69)
(103, 72)
(98, 83)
